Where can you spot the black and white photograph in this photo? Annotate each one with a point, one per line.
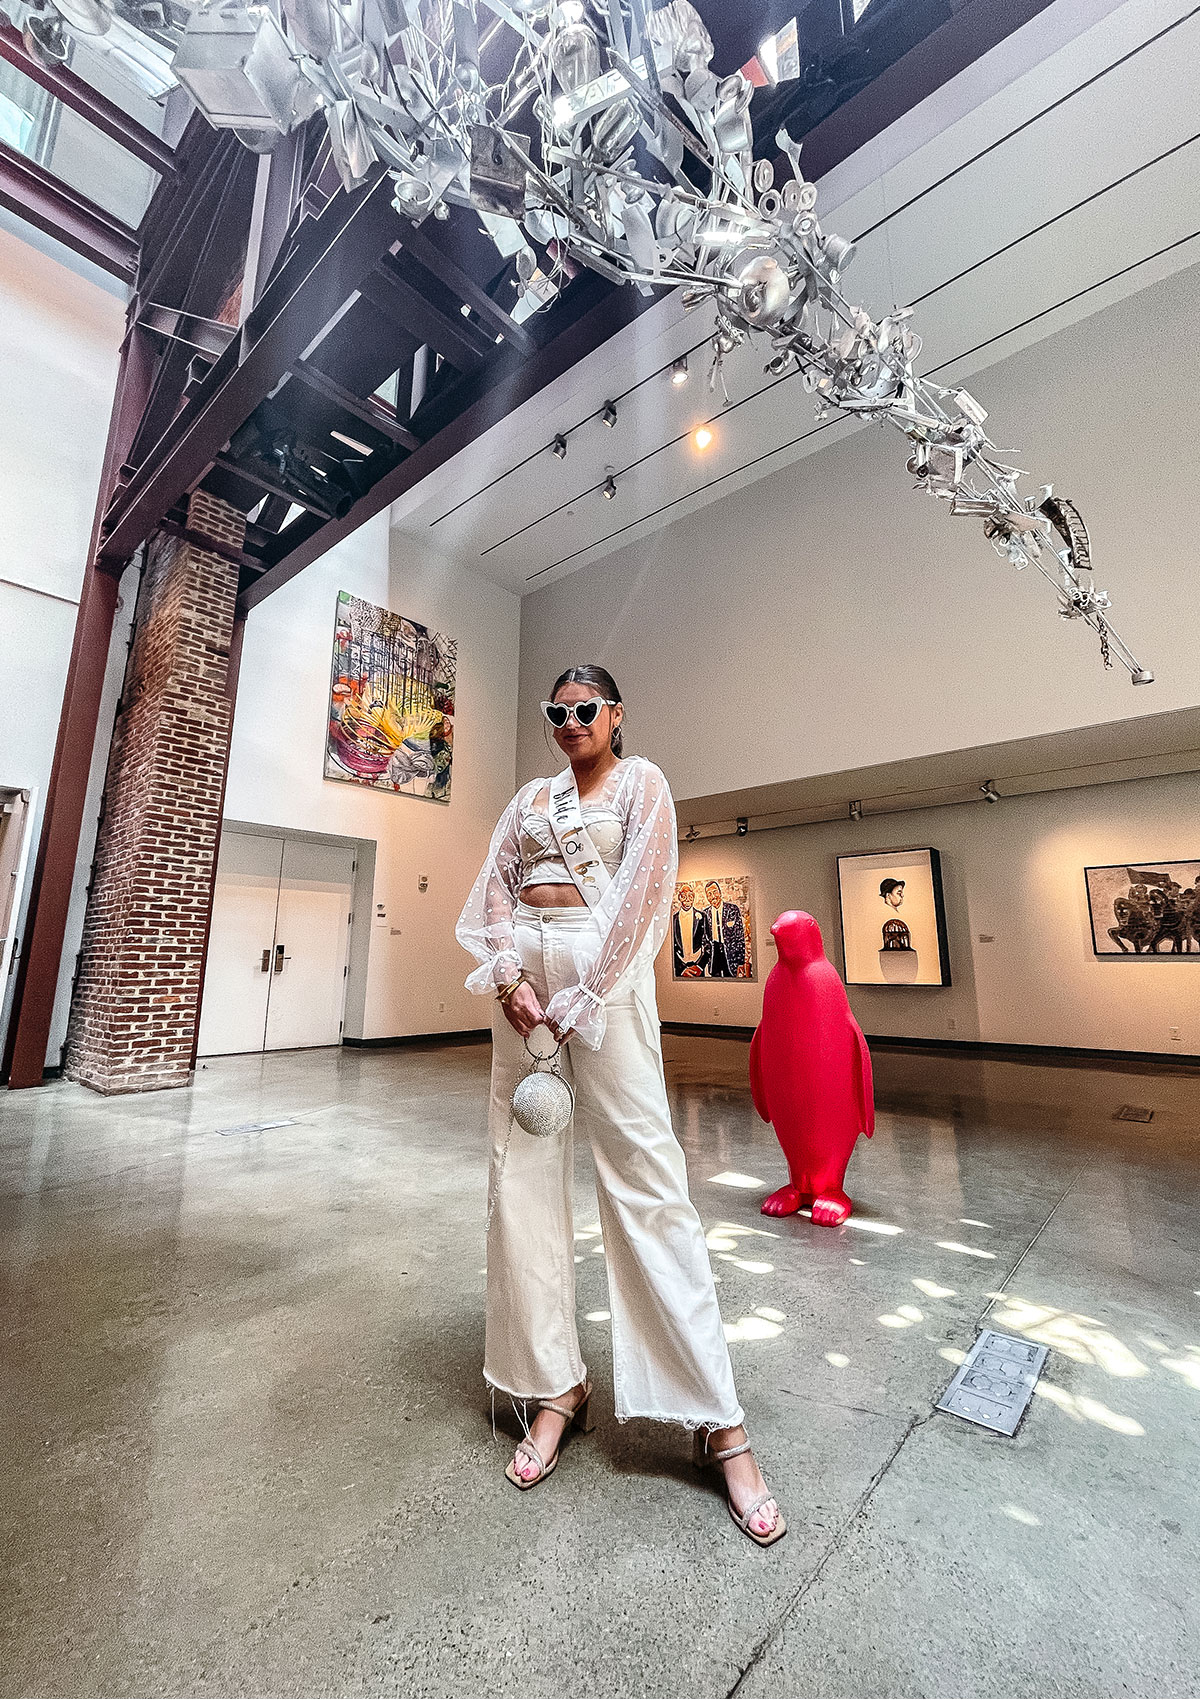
(1145, 909)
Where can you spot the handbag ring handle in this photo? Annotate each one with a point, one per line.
(538, 1056)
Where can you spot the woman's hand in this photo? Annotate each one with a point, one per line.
(562, 1034)
(523, 1011)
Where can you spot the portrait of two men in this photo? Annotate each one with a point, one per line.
(711, 933)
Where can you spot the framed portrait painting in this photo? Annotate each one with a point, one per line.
(893, 919)
(1148, 909)
(712, 929)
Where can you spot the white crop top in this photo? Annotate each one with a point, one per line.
(541, 859)
(632, 824)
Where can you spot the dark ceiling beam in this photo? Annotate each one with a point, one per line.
(210, 336)
(448, 334)
(179, 216)
(50, 206)
(100, 112)
(272, 486)
(464, 412)
(369, 412)
(333, 256)
(972, 30)
(193, 269)
(422, 249)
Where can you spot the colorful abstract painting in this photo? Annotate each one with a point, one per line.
(391, 703)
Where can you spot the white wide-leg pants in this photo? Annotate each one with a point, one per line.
(670, 1360)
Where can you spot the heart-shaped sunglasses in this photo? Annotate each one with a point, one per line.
(558, 713)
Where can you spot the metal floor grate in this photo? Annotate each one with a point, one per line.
(995, 1382)
(1134, 1113)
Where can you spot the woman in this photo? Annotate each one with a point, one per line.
(565, 920)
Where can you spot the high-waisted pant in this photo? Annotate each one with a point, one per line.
(670, 1360)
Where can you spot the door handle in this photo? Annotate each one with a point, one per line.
(280, 958)
(266, 960)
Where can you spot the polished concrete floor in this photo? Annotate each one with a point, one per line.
(246, 1448)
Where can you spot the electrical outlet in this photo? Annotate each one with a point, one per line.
(716, 1012)
(441, 1009)
(952, 1025)
(1176, 1033)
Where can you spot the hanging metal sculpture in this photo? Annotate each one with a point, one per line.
(595, 131)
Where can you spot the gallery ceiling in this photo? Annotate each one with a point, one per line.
(1055, 176)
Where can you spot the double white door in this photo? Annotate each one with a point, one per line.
(278, 949)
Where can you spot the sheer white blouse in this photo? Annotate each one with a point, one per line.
(630, 920)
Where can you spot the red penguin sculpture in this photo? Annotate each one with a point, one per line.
(810, 1073)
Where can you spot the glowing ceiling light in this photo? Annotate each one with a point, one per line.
(702, 436)
(679, 371)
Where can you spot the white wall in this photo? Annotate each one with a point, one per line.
(60, 337)
(1013, 870)
(275, 771)
(829, 617)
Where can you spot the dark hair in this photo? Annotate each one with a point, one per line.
(603, 681)
(887, 886)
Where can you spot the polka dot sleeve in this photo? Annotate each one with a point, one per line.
(485, 927)
(632, 916)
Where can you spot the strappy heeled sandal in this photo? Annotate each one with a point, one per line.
(582, 1419)
(704, 1459)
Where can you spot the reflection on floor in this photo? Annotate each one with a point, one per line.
(248, 1450)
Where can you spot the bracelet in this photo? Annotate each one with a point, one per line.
(506, 992)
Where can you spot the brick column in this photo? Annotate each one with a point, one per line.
(137, 993)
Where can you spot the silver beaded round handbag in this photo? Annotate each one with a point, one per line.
(543, 1102)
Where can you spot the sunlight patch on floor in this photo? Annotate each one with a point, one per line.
(1019, 1514)
(1083, 1409)
(752, 1328)
(1080, 1338)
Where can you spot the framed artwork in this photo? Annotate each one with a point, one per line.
(893, 919)
(1152, 909)
(712, 929)
(391, 703)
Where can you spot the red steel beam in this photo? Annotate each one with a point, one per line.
(50, 206)
(336, 252)
(104, 114)
(62, 822)
(58, 844)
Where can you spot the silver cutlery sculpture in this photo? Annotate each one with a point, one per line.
(595, 132)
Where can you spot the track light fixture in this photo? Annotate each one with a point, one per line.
(743, 826)
(609, 415)
(856, 811)
(990, 791)
(679, 370)
(609, 488)
(559, 445)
